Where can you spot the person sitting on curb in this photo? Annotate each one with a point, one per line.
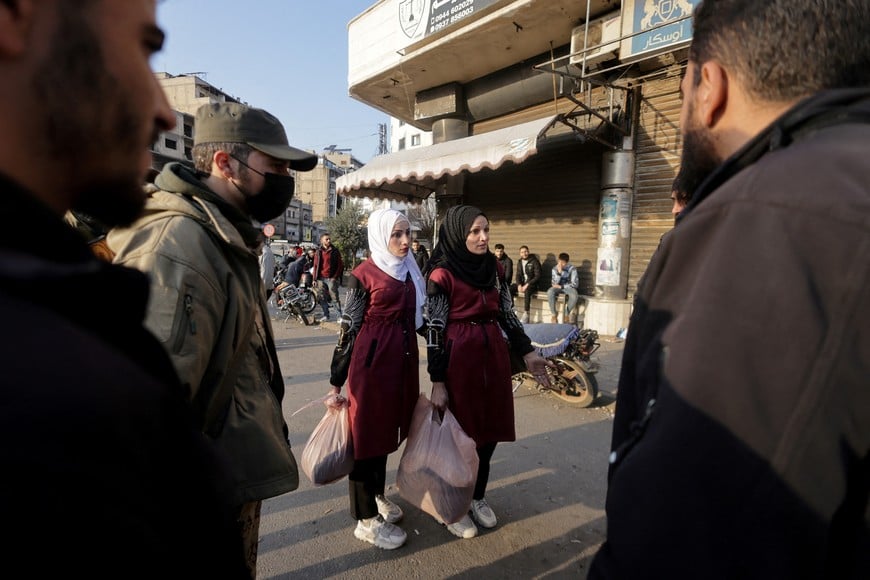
(564, 280)
(528, 274)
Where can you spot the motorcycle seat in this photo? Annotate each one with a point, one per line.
(551, 339)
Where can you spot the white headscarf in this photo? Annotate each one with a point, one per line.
(381, 223)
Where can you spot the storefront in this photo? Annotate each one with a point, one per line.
(528, 122)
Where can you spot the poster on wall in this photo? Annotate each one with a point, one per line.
(668, 22)
(624, 211)
(609, 231)
(420, 18)
(608, 219)
(609, 267)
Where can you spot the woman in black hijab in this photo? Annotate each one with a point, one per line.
(468, 307)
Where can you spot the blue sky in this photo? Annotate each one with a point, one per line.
(286, 56)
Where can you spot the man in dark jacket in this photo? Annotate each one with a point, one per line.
(421, 255)
(741, 441)
(506, 263)
(528, 275)
(104, 475)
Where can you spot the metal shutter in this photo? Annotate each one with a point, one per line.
(658, 148)
(550, 202)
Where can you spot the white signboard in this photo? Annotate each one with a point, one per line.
(669, 24)
(419, 18)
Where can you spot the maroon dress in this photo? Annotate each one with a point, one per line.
(377, 356)
(476, 365)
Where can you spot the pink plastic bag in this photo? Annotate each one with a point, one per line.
(438, 468)
(328, 454)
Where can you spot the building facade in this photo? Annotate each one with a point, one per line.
(406, 136)
(560, 119)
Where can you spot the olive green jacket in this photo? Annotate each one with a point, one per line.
(208, 309)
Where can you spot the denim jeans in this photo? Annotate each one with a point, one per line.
(328, 290)
(571, 297)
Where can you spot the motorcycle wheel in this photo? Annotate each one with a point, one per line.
(574, 385)
(517, 380)
(301, 316)
(307, 304)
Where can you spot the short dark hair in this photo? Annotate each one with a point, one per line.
(499, 246)
(564, 256)
(783, 50)
(203, 153)
(524, 247)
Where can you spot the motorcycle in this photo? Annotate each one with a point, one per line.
(295, 302)
(569, 349)
(305, 295)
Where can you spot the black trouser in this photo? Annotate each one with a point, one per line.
(365, 482)
(527, 296)
(484, 454)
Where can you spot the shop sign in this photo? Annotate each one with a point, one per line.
(420, 18)
(668, 22)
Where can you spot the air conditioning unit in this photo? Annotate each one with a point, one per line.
(603, 33)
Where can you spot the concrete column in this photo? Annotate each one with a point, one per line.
(614, 224)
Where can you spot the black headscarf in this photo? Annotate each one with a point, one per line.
(451, 252)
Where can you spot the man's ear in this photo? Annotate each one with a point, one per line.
(712, 93)
(220, 163)
(16, 22)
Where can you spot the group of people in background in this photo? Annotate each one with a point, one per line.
(148, 439)
(565, 279)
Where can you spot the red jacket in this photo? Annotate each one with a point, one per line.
(328, 263)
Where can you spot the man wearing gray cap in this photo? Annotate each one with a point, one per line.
(197, 242)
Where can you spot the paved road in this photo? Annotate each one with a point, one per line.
(547, 489)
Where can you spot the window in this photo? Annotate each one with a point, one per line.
(170, 143)
(188, 130)
(415, 140)
(401, 123)
(401, 143)
(188, 153)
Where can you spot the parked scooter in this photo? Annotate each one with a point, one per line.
(293, 301)
(569, 349)
(305, 295)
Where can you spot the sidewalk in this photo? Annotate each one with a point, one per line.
(547, 488)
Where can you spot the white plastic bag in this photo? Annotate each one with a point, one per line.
(438, 468)
(328, 454)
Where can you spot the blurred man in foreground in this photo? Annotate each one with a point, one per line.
(104, 472)
(742, 430)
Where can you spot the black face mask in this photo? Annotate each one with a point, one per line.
(273, 199)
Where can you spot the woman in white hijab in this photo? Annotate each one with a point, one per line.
(377, 357)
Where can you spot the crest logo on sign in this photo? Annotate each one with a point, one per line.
(411, 16)
(661, 11)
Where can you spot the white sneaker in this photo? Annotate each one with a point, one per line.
(524, 318)
(388, 510)
(464, 528)
(382, 534)
(482, 513)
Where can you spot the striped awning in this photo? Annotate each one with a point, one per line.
(413, 174)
